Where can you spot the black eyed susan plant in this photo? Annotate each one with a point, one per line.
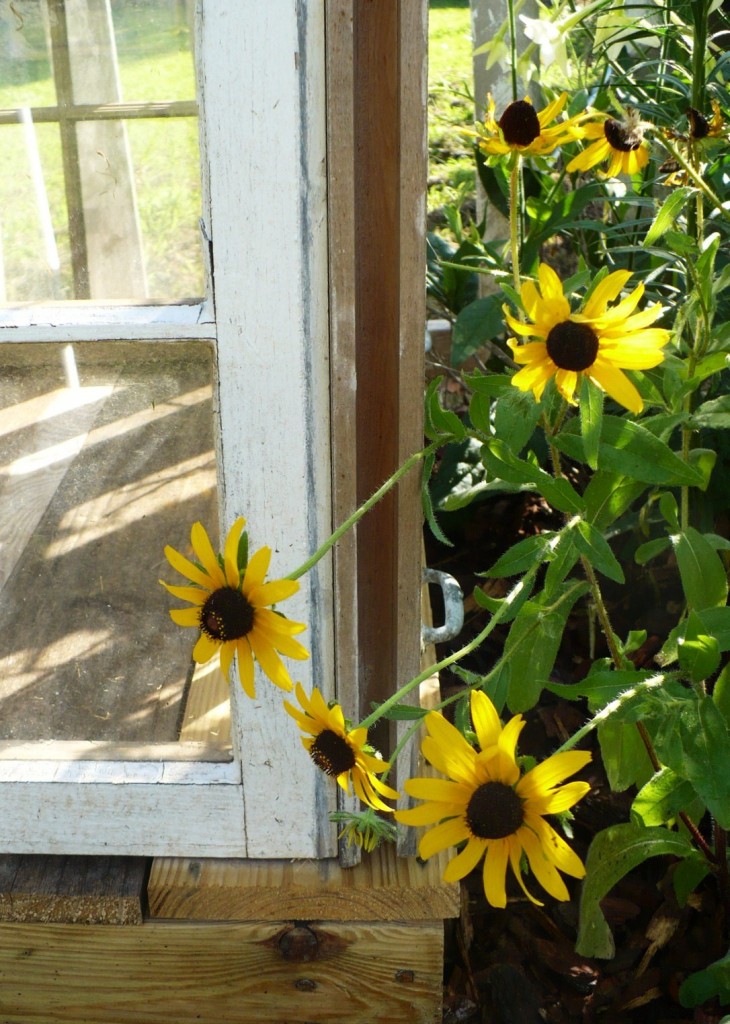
(609, 403)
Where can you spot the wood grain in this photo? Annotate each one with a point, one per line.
(175, 973)
(383, 887)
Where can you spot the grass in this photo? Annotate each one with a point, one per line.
(450, 106)
(154, 64)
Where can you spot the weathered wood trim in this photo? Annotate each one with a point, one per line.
(139, 819)
(262, 103)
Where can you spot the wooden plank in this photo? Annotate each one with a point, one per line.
(413, 172)
(88, 890)
(383, 887)
(176, 973)
(342, 249)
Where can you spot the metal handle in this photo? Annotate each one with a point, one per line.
(453, 608)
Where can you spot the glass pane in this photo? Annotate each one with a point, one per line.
(100, 197)
(106, 450)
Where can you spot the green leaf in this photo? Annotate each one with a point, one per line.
(688, 874)
(501, 463)
(427, 504)
(440, 423)
(601, 686)
(533, 642)
(721, 694)
(591, 419)
(701, 569)
(494, 604)
(624, 755)
(612, 854)
(515, 417)
(711, 983)
(699, 654)
(668, 213)
(476, 324)
(593, 545)
(716, 622)
(521, 556)
(663, 796)
(608, 496)
(714, 413)
(632, 450)
(706, 756)
(645, 552)
(565, 555)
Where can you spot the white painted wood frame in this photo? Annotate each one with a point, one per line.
(261, 73)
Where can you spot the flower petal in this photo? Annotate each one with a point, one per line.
(465, 862)
(230, 554)
(447, 834)
(206, 555)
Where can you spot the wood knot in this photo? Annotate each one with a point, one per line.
(299, 945)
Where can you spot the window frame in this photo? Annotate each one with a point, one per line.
(261, 84)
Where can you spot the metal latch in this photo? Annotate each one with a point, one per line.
(453, 598)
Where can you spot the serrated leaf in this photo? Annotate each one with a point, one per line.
(612, 854)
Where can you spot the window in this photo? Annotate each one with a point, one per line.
(114, 347)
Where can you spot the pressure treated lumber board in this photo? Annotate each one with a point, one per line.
(175, 973)
(88, 890)
(383, 887)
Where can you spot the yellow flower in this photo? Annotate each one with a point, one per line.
(486, 803)
(524, 130)
(232, 608)
(338, 751)
(622, 143)
(597, 341)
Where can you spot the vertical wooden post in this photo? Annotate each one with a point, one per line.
(390, 175)
(390, 180)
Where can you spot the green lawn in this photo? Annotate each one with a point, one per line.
(450, 107)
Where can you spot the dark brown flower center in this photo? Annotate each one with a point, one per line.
(332, 753)
(699, 126)
(519, 124)
(226, 615)
(620, 137)
(572, 346)
(494, 811)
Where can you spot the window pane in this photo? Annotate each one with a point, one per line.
(97, 476)
(101, 195)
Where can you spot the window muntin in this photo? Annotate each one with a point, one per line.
(101, 195)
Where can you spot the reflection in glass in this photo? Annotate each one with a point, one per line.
(105, 458)
(100, 195)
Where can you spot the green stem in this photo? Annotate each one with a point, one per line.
(365, 507)
(602, 613)
(695, 177)
(455, 656)
(514, 210)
